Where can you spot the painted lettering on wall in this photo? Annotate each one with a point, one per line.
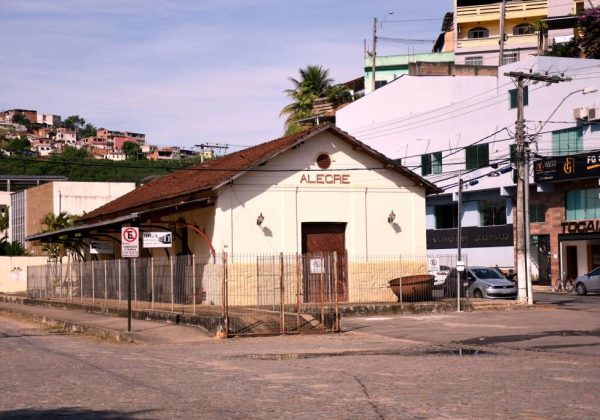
(581, 226)
(325, 179)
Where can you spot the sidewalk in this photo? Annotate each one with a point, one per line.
(105, 326)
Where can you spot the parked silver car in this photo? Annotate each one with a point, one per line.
(482, 282)
(589, 282)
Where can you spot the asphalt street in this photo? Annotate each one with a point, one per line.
(521, 363)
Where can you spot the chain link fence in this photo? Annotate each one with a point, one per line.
(254, 294)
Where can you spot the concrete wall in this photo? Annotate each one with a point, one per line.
(13, 272)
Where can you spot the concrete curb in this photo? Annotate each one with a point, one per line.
(103, 333)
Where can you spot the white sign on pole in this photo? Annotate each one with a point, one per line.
(433, 264)
(460, 266)
(101, 247)
(316, 266)
(130, 242)
(157, 239)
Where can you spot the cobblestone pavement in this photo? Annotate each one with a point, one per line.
(358, 374)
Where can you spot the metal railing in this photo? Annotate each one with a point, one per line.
(253, 294)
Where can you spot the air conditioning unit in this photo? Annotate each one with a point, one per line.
(580, 113)
(594, 114)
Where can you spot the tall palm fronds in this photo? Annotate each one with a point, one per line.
(313, 83)
(52, 222)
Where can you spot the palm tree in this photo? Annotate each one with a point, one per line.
(51, 222)
(313, 83)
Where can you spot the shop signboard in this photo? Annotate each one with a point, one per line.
(157, 239)
(101, 247)
(472, 237)
(565, 168)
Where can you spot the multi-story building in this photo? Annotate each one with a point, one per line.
(464, 126)
(7, 116)
(49, 119)
(111, 136)
(477, 28)
(28, 207)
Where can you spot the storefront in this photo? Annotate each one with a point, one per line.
(565, 216)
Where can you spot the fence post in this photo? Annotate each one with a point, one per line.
(81, 282)
(337, 325)
(93, 285)
(321, 297)
(71, 281)
(152, 281)
(298, 268)
(281, 294)
(135, 282)
(105, 285)
(172, 293)
(224, 296)
(119, 278)
(194, 283)
(401, 275)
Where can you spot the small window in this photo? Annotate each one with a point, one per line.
(446, 216)
(479, 32)
(583, 204)
(523, 29)
(477, 156)
(537, 213)
(512, 57)
(431, 163)
(380, 83)
(492, 212)
(476, 60)
(567, 141)
(513, 97)
(324, 161)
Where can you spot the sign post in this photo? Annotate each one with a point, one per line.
(130, 248)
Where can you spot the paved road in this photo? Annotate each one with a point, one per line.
(384, 368)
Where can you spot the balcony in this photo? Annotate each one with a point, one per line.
(514, 10)
(492, 42)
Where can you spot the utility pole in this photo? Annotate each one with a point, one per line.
(502, 24)
(459, 238)
(522, 213)
(374, 55)
(210, 146)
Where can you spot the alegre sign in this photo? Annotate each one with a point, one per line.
(562, 168)
(325, 179)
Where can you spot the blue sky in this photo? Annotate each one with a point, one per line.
(186, 72)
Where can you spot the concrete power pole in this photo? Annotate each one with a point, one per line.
(502, 35)
(522, 213)
(374, 55)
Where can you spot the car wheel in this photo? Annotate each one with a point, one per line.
(477, 294)
(580, 289)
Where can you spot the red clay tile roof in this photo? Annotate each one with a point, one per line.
(204, 177)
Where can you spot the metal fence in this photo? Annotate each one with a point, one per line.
(254, 294)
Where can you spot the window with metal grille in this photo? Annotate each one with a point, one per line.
(537, 213)
(475, 60)
(512, 57)
(477, 156)
(567, 141)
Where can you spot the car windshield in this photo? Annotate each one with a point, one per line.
(487, 273)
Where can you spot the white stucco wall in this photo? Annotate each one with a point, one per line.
(363, 204)
(13, 272)
(79, 197)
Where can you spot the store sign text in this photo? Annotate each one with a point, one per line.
(325, 179)
(582, 226)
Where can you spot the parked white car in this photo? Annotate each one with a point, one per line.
(440, 275)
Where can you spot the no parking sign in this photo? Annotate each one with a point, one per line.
(130, 242)
(433, 264)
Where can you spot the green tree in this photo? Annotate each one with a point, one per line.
(12, 249)
(589, 26)
(20, 118)
(74, 122)
(52, 222)
(132, 150)
(314, 82)
(19, 145)
(87, 130)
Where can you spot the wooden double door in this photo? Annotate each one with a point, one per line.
(324, 277)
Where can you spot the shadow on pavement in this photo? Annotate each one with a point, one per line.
(71, 412)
